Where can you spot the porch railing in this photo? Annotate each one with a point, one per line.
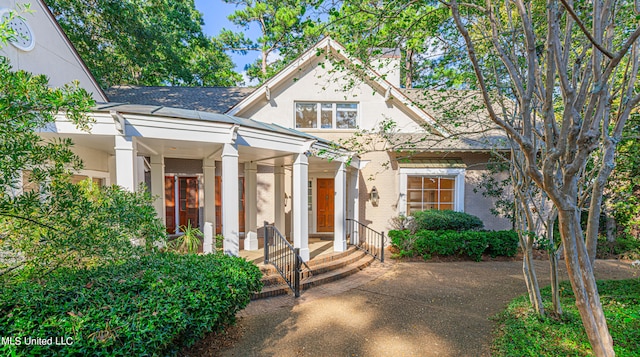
(366, 239)
(284, 257)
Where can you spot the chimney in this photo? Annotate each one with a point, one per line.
(387, 62)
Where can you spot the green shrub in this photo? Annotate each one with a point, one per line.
(149, 306)
(502, 243)
(625, 247)
(403, 241)
(435, 220)
(472, 244)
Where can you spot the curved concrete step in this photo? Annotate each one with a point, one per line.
(323, 271)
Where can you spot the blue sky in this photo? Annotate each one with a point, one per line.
(215, 14)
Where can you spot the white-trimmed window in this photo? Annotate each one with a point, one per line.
(426, 188)
(311, 115)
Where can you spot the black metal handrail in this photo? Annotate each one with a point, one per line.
(366, 239)
(284, 257)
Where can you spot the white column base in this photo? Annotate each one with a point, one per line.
(207, 244)
(251, 241)
(305, 254)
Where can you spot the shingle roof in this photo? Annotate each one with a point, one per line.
(462, 113)
(204, 99)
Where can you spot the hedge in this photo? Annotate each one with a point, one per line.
(149, 306)
(473, 244)
(436, 220)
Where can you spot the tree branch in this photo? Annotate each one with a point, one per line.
(584, 29)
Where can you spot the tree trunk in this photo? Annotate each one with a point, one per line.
(554, 255)
(583, 283)
(532, 280)
(610, 226)
(408, 70)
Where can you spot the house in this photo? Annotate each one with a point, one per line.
(235, 157)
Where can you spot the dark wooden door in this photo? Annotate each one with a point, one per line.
(325, 205)
(188, 201)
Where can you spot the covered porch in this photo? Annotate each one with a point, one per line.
(223, 174)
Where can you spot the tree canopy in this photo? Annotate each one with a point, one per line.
(156, 42)
(286, 29)
(560, 78)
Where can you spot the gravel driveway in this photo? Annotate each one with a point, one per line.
(391, 309)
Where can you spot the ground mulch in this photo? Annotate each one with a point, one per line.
(399, 308)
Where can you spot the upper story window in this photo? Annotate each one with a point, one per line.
(326, 115)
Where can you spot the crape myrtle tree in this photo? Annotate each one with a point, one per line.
(47, 221)
(572, 70)
(560, 79)
(149, 43)
(438, 53)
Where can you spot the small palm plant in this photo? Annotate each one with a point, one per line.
(189, 241)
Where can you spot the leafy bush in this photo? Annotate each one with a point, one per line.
(76, 225)
(502, 243)
(435, 220)
(472, 244)
(144, 307)
(625, 247)
(403, 241)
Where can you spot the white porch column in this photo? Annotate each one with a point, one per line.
(340, 209)
(157, 186)
(209, 171)
(299, 204)
(354, 186)
(278, 200)
(125, 162)
(230, 207)
(250, 206)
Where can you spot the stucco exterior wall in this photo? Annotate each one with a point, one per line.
(317, 81)
(52, 54)
(93, 159)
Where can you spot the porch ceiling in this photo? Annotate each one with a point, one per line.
(97, 142)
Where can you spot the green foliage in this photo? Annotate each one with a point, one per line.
(27, 104)
(158, 42)
(56, 223)
(287, 28)
(472, 244)
(624, 185)
(77, 225)
(624, 247)
(219, 241)
(371, 29)
(436, 220)
(189, 241)
(522, 332)
(143, 307)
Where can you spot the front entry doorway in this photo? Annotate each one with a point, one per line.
(325, 205)
(184, 209)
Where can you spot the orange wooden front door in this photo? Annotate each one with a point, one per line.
(219, 204)
(186, 206)
(325, 205)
